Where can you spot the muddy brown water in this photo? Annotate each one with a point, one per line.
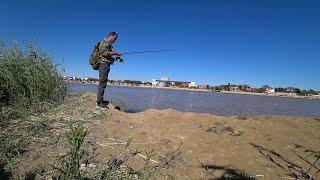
(136, 99)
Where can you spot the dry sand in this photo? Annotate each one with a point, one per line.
(217, 142)
(212, 146)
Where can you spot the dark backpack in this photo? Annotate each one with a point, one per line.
(94, 60)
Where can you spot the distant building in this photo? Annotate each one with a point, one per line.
(234, 88)
(147, 83)
(165, 82)
(160, 83)
(269, 90)
(203, 86)
(72, 78)
(245, 87)
(192, 84)
(154, 82)
(91, 80)
(183, 84)
(291, 90)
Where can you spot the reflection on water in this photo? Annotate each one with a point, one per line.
(139, 99)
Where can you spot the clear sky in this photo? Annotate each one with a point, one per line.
(238, 41)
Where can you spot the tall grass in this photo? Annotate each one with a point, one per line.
(29, 83)
(29, 78)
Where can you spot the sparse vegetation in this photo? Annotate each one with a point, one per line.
(11, 147)
(226, 172)
(41, 131)
(242, 117)
(219, 128)
(76, 163)
(69, 165)
(305, 166)
(316, 118)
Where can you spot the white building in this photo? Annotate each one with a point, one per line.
(154, 82)
(192, 84)
(165, 82)
(270, 90)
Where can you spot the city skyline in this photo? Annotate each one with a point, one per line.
(177, 80)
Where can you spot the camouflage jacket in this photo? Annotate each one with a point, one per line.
(105, 48)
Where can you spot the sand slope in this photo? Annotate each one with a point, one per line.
(217, 142)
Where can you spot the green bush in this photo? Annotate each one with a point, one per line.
(29, 78)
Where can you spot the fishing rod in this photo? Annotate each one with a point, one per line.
(118, 58)
(150, 51)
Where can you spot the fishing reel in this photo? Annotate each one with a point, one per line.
(119, 59)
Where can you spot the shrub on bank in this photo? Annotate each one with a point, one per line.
(29, 78)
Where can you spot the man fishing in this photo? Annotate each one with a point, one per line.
(105, 59)
(102, 58)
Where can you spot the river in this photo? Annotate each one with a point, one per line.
(136, 99)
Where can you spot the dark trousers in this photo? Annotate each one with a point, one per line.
(104, 69)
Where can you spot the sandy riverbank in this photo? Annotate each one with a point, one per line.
(215, 141)
(212, 146)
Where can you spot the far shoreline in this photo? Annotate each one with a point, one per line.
(281, 95)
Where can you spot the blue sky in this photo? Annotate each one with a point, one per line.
(237, 41)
